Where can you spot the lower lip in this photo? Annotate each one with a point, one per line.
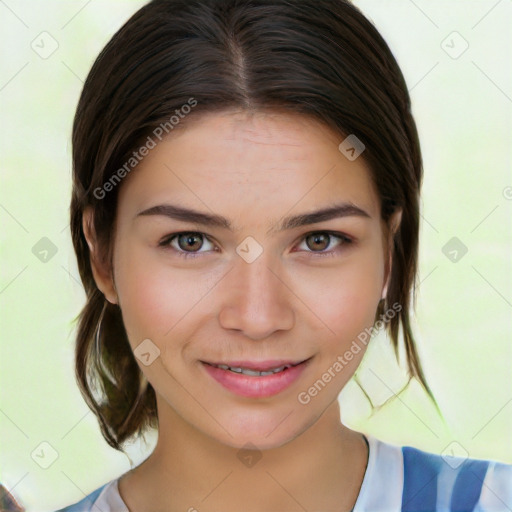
(256, 387)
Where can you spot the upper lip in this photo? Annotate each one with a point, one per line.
(258, 365)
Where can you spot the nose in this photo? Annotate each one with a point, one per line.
(256, 299)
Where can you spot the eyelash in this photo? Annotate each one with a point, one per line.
(167, 240)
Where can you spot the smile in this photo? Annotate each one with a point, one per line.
(249, 371)
(256, 382)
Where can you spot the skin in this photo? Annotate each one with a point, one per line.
(253, 169)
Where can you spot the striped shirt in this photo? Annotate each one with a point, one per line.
(397, 479)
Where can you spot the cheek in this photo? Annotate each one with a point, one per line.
(157, 299)
(353, 306)
(347, 306)
(345, 297)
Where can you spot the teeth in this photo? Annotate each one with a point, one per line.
(253, 373)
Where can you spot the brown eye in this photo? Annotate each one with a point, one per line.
(318, 241)
(193, 241)
(186, 244)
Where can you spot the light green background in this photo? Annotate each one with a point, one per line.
(463, 108)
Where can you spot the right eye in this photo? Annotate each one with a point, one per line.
(184, 239)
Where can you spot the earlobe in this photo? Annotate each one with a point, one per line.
(394, 224)
(388, 276)
(101, 273)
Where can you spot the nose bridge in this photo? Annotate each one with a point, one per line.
(258, 278)
(257, 300)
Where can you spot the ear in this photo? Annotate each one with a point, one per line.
(102, 272)
(394, 224)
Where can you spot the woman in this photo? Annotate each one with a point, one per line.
(245, 214)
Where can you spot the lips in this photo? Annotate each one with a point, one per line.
(261, 366)
(256, 379)
(251, 372)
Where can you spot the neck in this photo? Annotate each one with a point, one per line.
(320, 469)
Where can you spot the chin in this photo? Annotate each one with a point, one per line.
(255, 440)
(265, 432)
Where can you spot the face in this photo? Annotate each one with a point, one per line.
(242, 284)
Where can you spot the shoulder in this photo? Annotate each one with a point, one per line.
(457, 483)
(407, 479)
(88, 503)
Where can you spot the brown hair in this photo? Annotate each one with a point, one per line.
(319, 58)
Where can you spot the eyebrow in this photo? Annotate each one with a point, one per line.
(212, 220)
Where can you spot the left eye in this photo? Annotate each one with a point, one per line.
(315, 240)
(323, 239)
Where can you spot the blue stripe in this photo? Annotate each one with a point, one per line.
(85, 504)
(468, 485)
(420, 480)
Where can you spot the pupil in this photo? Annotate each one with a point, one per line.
(190, 239)
(318, 239)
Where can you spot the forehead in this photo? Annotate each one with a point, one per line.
(232, 161)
